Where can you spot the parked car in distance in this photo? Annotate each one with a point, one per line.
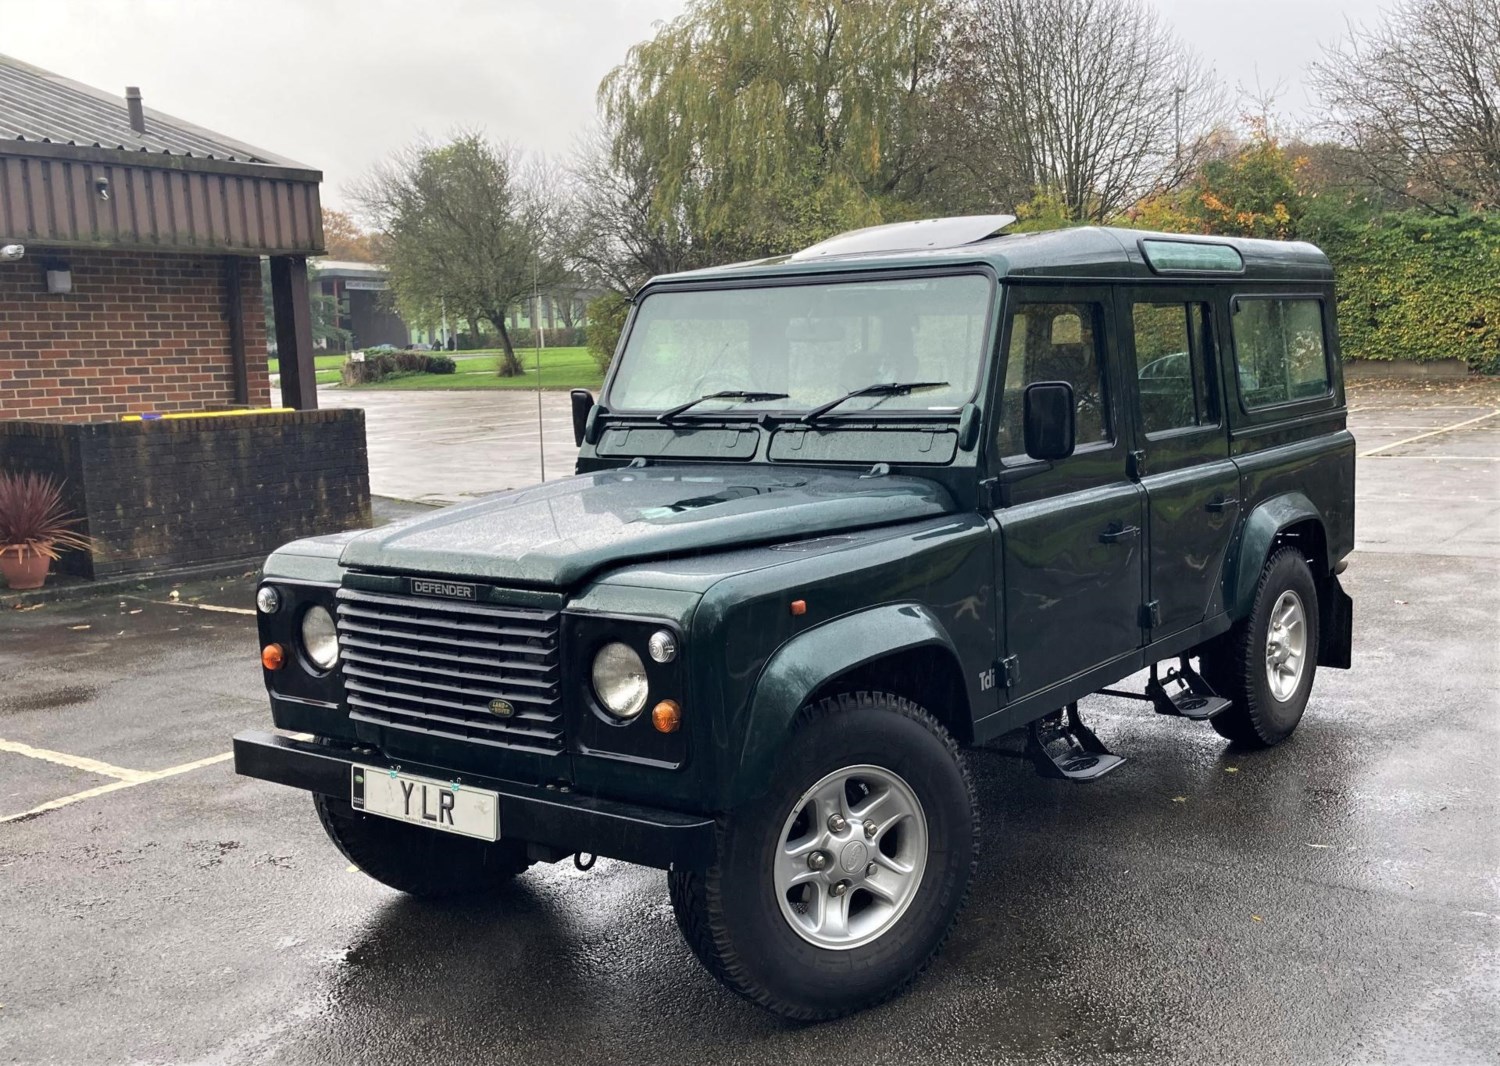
(837, 516)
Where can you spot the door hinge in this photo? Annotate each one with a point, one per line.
(1010, 667)
(1151, 614)
(1135, 464)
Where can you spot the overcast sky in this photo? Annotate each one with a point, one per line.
(337, 84)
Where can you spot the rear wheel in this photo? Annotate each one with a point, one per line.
(835, 889)
(417, 861)
(1267, 662)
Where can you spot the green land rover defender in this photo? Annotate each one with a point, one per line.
(837, 516)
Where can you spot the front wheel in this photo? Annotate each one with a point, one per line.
(835, 889)
(1265, 664)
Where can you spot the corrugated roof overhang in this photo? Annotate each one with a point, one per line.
(50, 194)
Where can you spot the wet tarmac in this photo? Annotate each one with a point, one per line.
(1329, 901)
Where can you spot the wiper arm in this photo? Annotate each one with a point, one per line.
(733, 394)
(888, 388)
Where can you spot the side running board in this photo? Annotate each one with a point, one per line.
(1062, 746)
(1194, 699)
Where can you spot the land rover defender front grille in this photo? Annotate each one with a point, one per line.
(470, 671)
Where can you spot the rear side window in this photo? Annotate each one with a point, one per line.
(1278, 350)
(1171, 340)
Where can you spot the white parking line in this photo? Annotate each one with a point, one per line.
(141, 778)
(77, 762)
(124, 778)
(1424, 436)
(199, 606)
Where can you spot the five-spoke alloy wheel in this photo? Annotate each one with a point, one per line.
(835, 888)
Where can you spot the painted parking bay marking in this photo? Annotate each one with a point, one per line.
(123, 778)
(1429, 433)
(76, 762)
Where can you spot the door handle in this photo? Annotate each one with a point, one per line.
(1114, 536)
(1223, 503)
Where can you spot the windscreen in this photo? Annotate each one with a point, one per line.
(814, 342)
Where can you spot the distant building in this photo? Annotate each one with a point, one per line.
(359, 292)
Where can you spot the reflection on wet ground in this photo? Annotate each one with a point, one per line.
(1329, 901)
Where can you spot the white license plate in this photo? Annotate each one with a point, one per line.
(442, 805)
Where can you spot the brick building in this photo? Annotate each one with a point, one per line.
(130, 248)
(132, 280)
(141, 332)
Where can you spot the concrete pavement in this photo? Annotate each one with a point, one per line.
(1329, 901)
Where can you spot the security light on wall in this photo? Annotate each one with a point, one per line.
(59, 277)
(9, 253)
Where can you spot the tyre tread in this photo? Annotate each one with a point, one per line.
(1233, 663)
(367, 843)
(695, 895)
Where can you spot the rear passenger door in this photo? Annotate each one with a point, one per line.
(1182, 451)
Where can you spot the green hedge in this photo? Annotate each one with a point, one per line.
(384, 362)
(1419, 288)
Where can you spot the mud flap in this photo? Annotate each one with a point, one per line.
(1335, 625)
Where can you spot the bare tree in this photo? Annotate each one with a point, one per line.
(1417, 101)
(469, 225)
(615, 236)
(1090, 104)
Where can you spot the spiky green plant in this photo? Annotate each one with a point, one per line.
(33, 518)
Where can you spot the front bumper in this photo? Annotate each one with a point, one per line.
(564, 822)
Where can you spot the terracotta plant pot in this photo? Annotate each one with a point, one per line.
(24, 570)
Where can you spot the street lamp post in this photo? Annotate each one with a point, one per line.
(1177, 91)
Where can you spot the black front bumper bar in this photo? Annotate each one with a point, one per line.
(564, 822)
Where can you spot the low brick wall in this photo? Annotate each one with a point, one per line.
(181, 492)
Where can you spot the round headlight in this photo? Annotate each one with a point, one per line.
(620, 680)
(268, 599)
(662, 646)
(320, 640)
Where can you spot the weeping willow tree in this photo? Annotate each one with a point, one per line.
(772, 123)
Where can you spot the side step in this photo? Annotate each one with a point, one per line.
(1195, 700)
(1062, 746)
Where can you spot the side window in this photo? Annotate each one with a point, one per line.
(1171, 350)
(1056, 342)
(1278, 350)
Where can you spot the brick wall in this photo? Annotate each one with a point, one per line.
(139, 332)
(180, 492)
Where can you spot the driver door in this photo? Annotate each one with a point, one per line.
(1070, 532)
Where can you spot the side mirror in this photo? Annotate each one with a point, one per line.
(1048, 420)
(583, 403)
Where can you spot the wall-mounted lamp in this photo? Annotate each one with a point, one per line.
(59, 276)
(9, 253)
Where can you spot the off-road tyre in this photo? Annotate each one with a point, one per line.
(1235, 664)
(730, 915)
(420, 862)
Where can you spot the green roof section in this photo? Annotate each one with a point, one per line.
(1104, 253)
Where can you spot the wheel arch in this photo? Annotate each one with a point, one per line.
(898, 648)
(1288, 519)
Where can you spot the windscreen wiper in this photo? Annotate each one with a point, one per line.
(733, 394)
(888, 388)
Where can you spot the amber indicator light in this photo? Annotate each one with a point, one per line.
(273, 656)
(799, 607)
(666, 716)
